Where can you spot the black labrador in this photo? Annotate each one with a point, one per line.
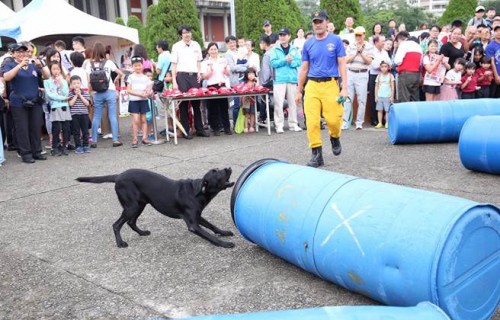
(179, 199)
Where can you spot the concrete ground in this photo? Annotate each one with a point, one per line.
(58, 258)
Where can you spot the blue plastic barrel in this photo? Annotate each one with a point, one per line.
(479, 144)
(394, 244)
(423, 311)
(436, 121)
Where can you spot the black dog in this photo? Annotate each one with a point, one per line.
(178, 199)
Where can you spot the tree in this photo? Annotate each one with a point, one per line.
(119, 20)
(492, 4)
(134, 22)
(163, 20)
(281, 13)
(338, 10)
(462, 10)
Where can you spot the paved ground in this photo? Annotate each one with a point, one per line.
(58, 258)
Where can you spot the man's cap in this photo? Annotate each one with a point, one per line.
(359, 30)
(319, 15)
(284, 31)
(266, 23)
(17, 47)
(480, 8)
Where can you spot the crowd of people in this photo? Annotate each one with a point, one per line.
(317, 74)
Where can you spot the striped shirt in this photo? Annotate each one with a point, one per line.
(79, 107)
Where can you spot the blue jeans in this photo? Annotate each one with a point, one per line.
(2, 158)
(108, 97)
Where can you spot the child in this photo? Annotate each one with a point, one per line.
(79, 100)
(435, 67)
(139, 90)
(149, 114)
(248, 103)
(384, 93)
(469, 81)
(484, 78)
(452, 80)
(56, 89)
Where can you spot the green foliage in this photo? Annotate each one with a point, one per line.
(134, 22)
(163, 20)
(458, 10)
(306, 8)
(492, 4)
(282, 13)
(119, 20)
(339, 10)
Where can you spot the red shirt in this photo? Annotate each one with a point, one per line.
(471, 86)
(486, 82)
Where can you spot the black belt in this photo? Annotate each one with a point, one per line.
(358, 70)
(188, 73)
(325, 79)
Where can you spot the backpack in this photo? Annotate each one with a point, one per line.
(99, 80)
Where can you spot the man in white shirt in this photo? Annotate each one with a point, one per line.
(186, 73)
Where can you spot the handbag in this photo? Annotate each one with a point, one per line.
(240, 122)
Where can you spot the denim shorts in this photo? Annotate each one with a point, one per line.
(138, 106)
(383, 104)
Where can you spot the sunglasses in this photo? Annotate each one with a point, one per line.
(136, 59)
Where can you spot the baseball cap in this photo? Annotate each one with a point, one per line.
(284, 31)
(319, 15)
(359, 30)
(480, 8)
(266, 23)
(17, 47)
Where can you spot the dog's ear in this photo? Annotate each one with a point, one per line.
(200, 186)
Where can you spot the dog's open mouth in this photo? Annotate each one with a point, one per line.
(228, 184)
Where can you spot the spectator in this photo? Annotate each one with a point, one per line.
(376, 31)
(140, 51)
(215, 71)
(384, 93)
(435, 68)
(484, 78)
(9, 129)
(454, 48)
(402, 27)
(379, 55)
(164, 63)
(60, 46)
(285, 59)
(186, 72)
(330, 27)
(349, 23)
(359, 58)
(236, 70)
(407, 58)
(253, 57)
(266, 76)
(478, 17)
(25, 104)
(433, 35)
(299, 41)
(78, 44)
(469, 84)
(107, 97)
(391, 31)
(477, 56)
(493, 51)
(268, 31)
(452, 81)
(454, 24)
(490, 15)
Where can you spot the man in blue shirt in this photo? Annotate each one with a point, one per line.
(323, 61)
(493, 51)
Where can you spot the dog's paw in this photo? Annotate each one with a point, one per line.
(122, 244)
(226, 233)
(145, 233)
(227, 244)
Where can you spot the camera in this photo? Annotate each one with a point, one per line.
(28, 104)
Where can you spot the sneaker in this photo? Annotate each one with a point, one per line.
(43, 152)
(295, 128)
(55, 153)
(359, 128)
(86, 149)
(48, 147)
(386, 125)
(93, 145)
(107, 136)
(379, 126)
(151, 137)
(79, 150)
(344, 127)
(279, 130)
(117, 144)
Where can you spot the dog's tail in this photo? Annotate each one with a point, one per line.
(99, 179)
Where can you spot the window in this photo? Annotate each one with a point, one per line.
(78, 4)
(26, 2)
(102, 10)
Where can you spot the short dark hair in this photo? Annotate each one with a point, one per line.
(77, 59)
(163, 44)
(403, 35)
(212, 44)
(75, 77)
(60, 44)
(345, 41)
(461, 61)
(435, 26)
(486, 59)
(182, 28)
(79, 39)
(266, 40)
(229, 38)
(470, 65)
(457, 23)
(146, 70)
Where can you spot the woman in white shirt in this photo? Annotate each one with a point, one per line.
(215, 71)
(300, 40)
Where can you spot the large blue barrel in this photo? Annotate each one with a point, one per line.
(436, 121)
(394, 244)
(479, 144)
(423, 311)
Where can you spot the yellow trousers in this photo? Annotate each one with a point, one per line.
(321, 98)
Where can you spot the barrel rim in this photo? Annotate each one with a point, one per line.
(244, 176)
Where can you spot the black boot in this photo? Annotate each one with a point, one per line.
(317, 158)
(336, 147)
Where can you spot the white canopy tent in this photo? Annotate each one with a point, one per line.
(5, 11)
(57, 17)
(12, 32)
